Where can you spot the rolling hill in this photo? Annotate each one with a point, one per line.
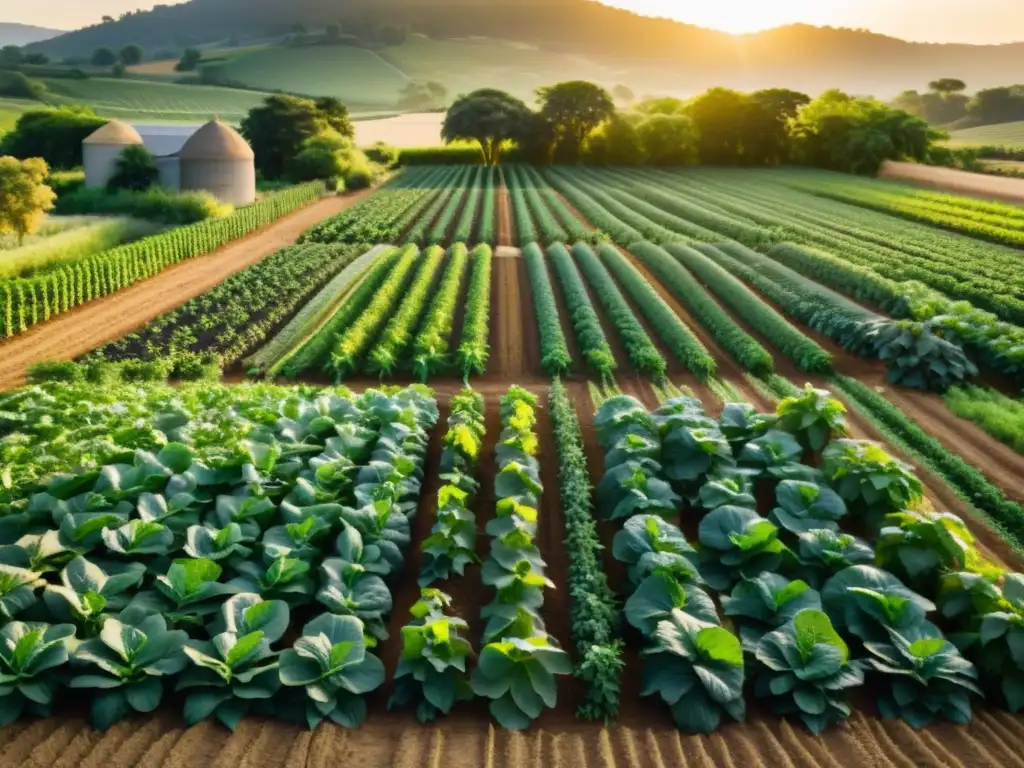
(24, 34)
(652, 55)
(1000, 134)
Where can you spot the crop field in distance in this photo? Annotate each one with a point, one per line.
(551, 382)
(1001, 134)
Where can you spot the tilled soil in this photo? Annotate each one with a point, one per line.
(109, 318)
(982, 185)
(504, 213)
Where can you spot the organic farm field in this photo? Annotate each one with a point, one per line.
(148, 101)
(636, 344)
(1000, 134)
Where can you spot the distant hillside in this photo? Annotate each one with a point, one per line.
(1001, 134)
(658, 55)
(23, 34)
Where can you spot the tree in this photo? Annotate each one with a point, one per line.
(277, 128)
(946, 86)
(720, 115)
(24, 196)
(766, 139)
(623, 94)
(10, 56)
(135, 169)
(331, 156)
(107, 20)
(487, 116)
(669, 139)
(189, 60)
(997, 105)
(131, 54)
(103, 57)
(118, 69)
(617, 142)
(576, 108)
(56, 135)
(37, 59)
(664, 105)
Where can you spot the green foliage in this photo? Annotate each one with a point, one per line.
(1000, 416)
(766, 603)
(589, 333)
(813, 416)
(738, 543)
(871, 604)
(575, 109)
(804, 507)
(24, 196)
(151, 202)
(488, 116)
(135, 169)
(806, 668)
(474, 349)
(869, 479)
(431, 345)
(29, 657)
(554, 351)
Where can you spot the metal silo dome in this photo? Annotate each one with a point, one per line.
(218, 160)
(102, 148)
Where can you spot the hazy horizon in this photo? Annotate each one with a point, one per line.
(979, 22)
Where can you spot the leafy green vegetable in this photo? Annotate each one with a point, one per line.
(29, 656)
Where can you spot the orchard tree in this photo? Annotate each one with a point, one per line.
(104, 57)
(131, 55)
(576, 109)
(24, 196)
(766, 136)
(487, 116)
(278, 128)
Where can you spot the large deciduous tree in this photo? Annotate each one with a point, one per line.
(103, 57)
(720, 115)
(947, 85)
(131, 54)
(10, 56)
(669, 139)
(489, 117)
(576, 109)
(55, 135)
(189, 60)
(766, 138)
(24, 196)
(278, 128)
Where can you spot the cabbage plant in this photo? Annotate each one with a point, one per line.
(927, 678)
(871, 481)
(432, 669)
(918, 546)
(647, 543)
(804, 668)
(139, 539)
(738, 543)
(766, 602)
(690, 454)
(17, 590)
(633, 489)
(332, 663)
(696, 667)
(348, 588)
(87, 595)
(207, 542)
(130, 662)
(741, 423)
(1001, 641)
(773, 453)
(250, 513)
(299, 541)
(518, 675)
(620, 416)
(870, 603)
(823, 553)
(732, 488)
(802, 507)
(451, 545)
(814, 417)
(29, 657)
(237, 667)
(187, 594)
(660, 594)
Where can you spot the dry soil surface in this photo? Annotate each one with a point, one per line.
(114, 316)
(978, 184)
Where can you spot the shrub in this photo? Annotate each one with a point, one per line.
(16, 86)
(56, 135)
(134, 170)
(155, 204)
(55, 370)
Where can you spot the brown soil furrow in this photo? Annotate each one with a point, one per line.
(417, 747)
(114, 316)
(684, 750)
(843, 744)
(55, 744)
(298, 750)
(18, 749)
(980, 738)
(626, 750)
(878, 731)
(514, 337)
(503, 210)
(273, 744)
(653, 754)
(198, 745)
(965, 743)
(465, 744)
(915, 744)
(719, 748)
(80, 747)
(780, 746)
(123, 744)
(804, 750)
(752, 743)
(1009, 727)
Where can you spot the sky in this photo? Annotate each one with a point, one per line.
(966, 21)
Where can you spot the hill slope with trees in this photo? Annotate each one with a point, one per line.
(676, 55)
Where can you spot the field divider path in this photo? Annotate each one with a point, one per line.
(111, 317)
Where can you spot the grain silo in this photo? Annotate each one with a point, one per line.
(217, 159)
(101, 149)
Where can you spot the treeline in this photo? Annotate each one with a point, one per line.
(945, 103)
(579, 122)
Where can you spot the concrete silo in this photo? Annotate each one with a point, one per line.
(101, 149)
(218, 160)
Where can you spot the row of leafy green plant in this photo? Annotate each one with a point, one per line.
(236, 316)
(590, 335)
(433, 341)
(443, 208)
(224, 520)
(554, 351)
(474, 347)
(920, 615)
(433, 670)
(25, 302)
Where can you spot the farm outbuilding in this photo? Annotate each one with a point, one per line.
(212, 158)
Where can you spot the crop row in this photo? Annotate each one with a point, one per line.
(431, 346)
(589, 334)
(28, 301)
(443, 208)
(543, 197)
(474, 347)
(237, 315)
(554, 352)
(179, 577)
(526, 229)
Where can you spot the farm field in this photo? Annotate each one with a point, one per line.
(1001, 134)
(677, 308)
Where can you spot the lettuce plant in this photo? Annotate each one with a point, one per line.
(632, 448)
(250, 513)
(766, 602)
(331, 662)
(518, 576)
(451, 545)
(518, 675)
(803, 507)
(963, 596)
(773, 453)
(690, 454)
(738, 543)
(139, 539)
(299, 541)
(696, 667)
(741, 423)
(40, 553)
(237, 667)
(130, 661)
(432, 670)
(804, 668)
(871, 482)
(733, 488)
(926, 676)
(207, 542)
(29, 656)
(621, 416)
(823, 553)
(87, 595)
(814, 417)
(186, 594)
(659, 595)
(381, 530)
(633, 489)
(17, 590)
(917, 546)
(870, 603)
(647, 543)
(1001, 641)
(348, 588)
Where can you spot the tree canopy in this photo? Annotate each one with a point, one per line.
(488, 116)
(56, 135)
(575, 109)
(277, 128)
(189, 60)
(131, 55)
(10, 56)
(24, 196)
(103, 57)
(947, 85)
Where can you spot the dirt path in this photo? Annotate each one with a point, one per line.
(112, 317)
(515, 345)
(982, 185)
(504, 214)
